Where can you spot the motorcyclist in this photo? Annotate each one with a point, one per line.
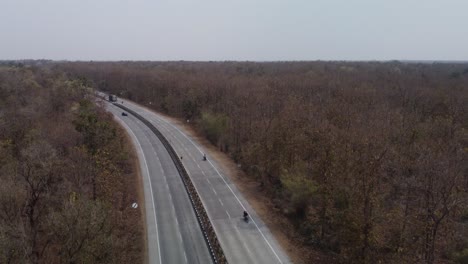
(246, 215)
(204, 157)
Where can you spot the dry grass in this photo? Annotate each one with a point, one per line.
(130, 222)
(281, 228)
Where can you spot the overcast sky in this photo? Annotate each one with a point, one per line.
(234, 29)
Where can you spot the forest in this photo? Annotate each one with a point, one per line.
(67, 174)
(367, 161)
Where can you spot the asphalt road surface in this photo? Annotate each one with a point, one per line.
(242, 242)
(174, 235)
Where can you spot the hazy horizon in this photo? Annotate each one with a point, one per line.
(211, 30)
(237, 61)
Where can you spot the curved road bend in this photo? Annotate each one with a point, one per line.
(242, 242)
(174, 235)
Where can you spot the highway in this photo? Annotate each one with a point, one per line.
(242, 242)
(174, 235)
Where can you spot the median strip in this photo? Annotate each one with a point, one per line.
(209, 234)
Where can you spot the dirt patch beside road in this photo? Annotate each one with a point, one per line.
(133, 221)
(140, 195)
(279, 226)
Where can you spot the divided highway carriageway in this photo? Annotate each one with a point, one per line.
(174, 227)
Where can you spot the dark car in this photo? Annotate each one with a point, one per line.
(124, 114)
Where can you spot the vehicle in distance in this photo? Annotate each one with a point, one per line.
(112, 98)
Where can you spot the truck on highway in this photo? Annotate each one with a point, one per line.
(112, 98)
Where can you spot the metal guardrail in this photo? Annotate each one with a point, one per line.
(209, 234)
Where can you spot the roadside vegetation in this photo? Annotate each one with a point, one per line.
(368, 161)
(67, 178)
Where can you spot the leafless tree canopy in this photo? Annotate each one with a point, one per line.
(368, 161)
(64, 174)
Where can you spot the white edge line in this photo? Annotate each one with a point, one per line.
(219, 174)
(204, 206)
(147, 137)
(149, 179)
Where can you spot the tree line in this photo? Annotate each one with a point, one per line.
(367, 160)
(67, 178)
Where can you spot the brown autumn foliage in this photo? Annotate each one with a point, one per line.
(367, 160)
(65, 174)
